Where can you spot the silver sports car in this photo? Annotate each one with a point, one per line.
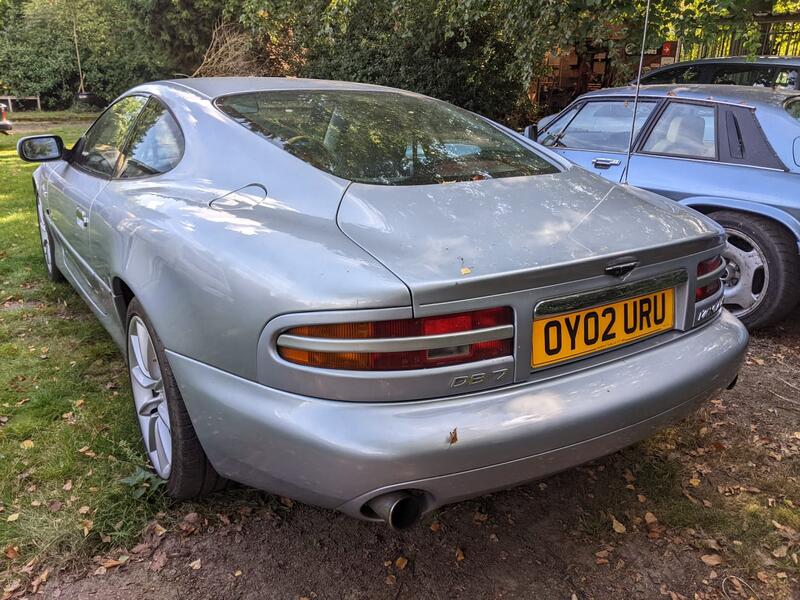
(372, 300)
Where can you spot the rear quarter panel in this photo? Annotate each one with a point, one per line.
(210, 279)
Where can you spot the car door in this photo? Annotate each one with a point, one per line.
(699, 149)
(154, 146)
(74, 184)
(596, 134)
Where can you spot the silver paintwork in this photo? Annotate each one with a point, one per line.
(241, 241)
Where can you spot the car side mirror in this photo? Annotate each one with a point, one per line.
(531, 132)
(40, 148)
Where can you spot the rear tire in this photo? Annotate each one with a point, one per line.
(167, 432)
(48, 244)
(763, 268)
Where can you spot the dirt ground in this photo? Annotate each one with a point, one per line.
(559, 538)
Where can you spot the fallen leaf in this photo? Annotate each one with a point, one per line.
(618, 527)
(11, 552)
(466, 270)
(195, 564)
(83, 510)
(86, 525)
(712, 560)
(453, 437)
(54, 506)
(159, 530)
(780, 552)
(762, 577)
(26, 445)
(459, 555)
(694, 482)
(390, 579)
(237, 573)
(650, 518)
(68, 485)
(436, 526)
(712, 545)
(12, 517)
(401, 563)
(641, 498)
(159, 561)
(39, 580)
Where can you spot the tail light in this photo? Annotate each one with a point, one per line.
(403, 343)
(2, 112)
(708, 274)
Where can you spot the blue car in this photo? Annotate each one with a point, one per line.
(730, 152)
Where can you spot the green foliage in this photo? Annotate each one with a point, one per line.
(407, 44)
(37, 49)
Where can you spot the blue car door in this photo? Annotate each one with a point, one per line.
(595, 134)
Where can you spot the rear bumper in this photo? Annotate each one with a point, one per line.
(341, 454)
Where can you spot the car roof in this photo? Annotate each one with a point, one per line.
(730, 94)
(791, 61)
(212, 87)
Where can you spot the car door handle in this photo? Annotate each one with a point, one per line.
(605, 163)
(81, 218)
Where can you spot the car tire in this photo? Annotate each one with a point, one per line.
(764, 251)
(187, 471)
(48, 244)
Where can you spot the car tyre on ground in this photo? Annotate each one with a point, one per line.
(167, 432)
(48, 245)
(763, 268)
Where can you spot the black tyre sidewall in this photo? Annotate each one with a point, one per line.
(780, 251)
(53, 274)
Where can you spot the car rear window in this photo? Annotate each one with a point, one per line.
(386, 138)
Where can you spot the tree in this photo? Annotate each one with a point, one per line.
(37, 49)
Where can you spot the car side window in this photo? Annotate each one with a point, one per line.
(602, 125)
(751, 75)
(102, 145)
(684, 130)
(787, 79)
(552, 132)
(690, 74)
(155, 145)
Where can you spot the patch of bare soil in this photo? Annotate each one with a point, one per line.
(706, 510)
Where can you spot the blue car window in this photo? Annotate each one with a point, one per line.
(684, 130)
(155, 145)
(602, 125)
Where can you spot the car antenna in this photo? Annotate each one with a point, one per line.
(636, 97)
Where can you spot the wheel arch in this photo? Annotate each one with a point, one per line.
(123, 294)
(708, 205)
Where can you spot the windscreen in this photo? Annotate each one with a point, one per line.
(386, 138)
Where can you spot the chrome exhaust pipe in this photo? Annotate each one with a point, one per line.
(399, 509)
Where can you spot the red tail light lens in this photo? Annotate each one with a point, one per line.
(704, 268)
(404, 328)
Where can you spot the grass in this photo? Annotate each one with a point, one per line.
(67, 433)
(51, 116)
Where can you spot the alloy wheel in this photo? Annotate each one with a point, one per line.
(149, 397)
(746, 274)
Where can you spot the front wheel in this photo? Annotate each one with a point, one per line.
(48, 244)
(763, 267)
(169, 437)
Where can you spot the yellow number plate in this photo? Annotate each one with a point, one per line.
(570, 335)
